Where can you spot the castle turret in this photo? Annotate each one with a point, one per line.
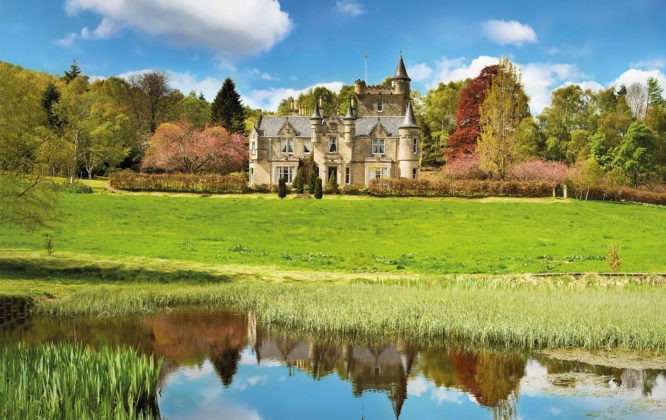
(409, 148)
(316, 124)
(400, 81)
(350, 124)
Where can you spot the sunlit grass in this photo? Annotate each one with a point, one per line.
(68, 381)
(431, 236)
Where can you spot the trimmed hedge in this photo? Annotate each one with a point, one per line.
(403, 187)
(195, 183)
(622, 194)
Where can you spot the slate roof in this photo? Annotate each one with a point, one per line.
(409, 121)
(270, 126)
(400, 71)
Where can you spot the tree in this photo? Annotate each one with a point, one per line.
(566, 113)
(439, 108)
(26, 199)
(635, 156)
(181, 147)
(318, 190)
(282, 188)
(503, 109)
(227, 109)
(73, 73)
(50, 99)
(297, 183)
(194, 109)
(332, 184)
(654, 93)
(637, 99)
(464, 138)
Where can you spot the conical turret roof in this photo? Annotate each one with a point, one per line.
(316, 115)
(410, 120)
(401, 71)
(350, 112)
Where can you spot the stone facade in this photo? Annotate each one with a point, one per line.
(378, 139)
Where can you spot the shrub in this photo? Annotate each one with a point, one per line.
(282, 188)
(332, 185)
(318, 191)
(178, 182)
(77, 188)
(403, 187)
(538, 170)
(466, 166)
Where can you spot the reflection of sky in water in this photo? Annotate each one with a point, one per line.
(275, 391)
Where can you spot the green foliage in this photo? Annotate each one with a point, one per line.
(27, 201)
(439, 107)
(635, 155)
(227, 109)
(77, 188)
(69, 381)
(318, 190)
(50, 99)
(194, 109)
(503, 109)
(73, 72)
(282, 188)
(332, 184)
(655, 93)
(297, 183)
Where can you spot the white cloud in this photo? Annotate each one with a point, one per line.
(456, 69)
(416, 387)
(68, 40)
(269, 99)
(504, 32)
(350, 8)
(230, 29)
(263, 75)
(420, 72)
(651, 64)
(639, 76)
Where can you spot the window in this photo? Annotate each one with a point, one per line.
(377, 173)
(306, 146)
(415, 146)
(287, 146)
(332, 145)
(253, 146)
(286, 172)
(347, 176)
(378, 146)
(415, 172)
(380, 106)
(251, 175)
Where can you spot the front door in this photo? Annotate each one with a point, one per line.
(332, 170)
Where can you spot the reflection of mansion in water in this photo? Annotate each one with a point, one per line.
(377, 138)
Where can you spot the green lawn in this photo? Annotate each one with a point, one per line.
(427, 236)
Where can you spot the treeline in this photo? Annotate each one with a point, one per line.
(72, 126)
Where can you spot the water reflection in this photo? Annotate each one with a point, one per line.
(219, 362)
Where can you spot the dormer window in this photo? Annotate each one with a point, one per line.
(307, 146)
(378, 146)
(287, 146)
(380, 106)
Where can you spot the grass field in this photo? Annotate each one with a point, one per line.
(357, 235)
(357, 266)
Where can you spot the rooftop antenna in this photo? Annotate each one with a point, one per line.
(366, 68)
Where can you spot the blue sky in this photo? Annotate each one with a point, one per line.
(274, 49)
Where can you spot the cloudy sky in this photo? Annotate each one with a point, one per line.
(274, 49)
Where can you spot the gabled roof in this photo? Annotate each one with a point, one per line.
(270, 126)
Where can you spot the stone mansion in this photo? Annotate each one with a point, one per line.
(379, 138)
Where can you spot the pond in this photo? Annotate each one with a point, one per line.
(222, 365)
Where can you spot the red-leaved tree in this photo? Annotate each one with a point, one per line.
(463, 140)
(180, 147)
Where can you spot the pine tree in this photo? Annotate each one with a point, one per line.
(73, 73)
(655, 93)
(50, 98)
(227, 109)
(332, 186)
(312, 184)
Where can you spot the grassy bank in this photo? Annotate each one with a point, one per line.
(357, 235)
(523, 311)
(67, 381)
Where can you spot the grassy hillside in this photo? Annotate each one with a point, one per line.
(360, 235)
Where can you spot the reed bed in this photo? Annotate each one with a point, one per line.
(68, 381)
(553, 314)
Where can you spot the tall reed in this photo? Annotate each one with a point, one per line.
(68, 381)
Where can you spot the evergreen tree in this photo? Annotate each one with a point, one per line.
(312, 184)
(318, 190)
(655, 93)
(332, 186)
(227, 109)
(282, 188)
(73, 73)
(50, 98)
(297, 183)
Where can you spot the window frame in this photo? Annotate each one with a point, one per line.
(307, 147)
(287, 146)
(347, 175)
(332, 141)
(289, 171)
(415, 146)
(415, 173)
(377, 145)
(380, 106)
